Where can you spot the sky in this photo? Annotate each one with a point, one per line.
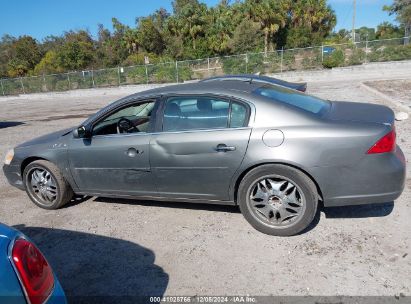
(41, 18)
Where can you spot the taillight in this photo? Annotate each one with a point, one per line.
(34, 272)
(384, 144)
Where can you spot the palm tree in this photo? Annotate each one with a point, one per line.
(271, 14)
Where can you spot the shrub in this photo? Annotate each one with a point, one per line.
(106, 78)
(133, 75)
(234, 65)
(357, 57)
(335, 59)
(391, 53)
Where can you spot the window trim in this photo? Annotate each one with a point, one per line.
(128, 103)
(230, 100)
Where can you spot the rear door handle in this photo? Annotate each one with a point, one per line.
(224, 148)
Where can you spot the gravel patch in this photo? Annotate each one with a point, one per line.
(399, 89)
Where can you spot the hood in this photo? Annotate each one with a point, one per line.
(46, 138)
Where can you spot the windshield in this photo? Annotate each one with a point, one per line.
(303, 101)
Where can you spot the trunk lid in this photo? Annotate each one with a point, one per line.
(361, 112)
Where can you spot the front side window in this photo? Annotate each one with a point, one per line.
(134, 118)
(196, 113)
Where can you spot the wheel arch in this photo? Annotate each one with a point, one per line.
(28, 161)
(248, 169)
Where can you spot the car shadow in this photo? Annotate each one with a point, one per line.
(77, 199)
(178, 205)
(359, 211)
(99, 269)
(9, 124)
(355, 211)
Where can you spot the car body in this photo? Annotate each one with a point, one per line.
(12, 288)
(299, 86)
(202, 142)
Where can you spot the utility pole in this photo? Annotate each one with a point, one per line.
(353, 21)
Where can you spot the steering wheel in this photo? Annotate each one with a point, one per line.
(125, 125)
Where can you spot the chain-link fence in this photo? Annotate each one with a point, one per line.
(325, 56)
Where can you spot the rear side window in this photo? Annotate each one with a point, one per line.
(196, 113)
(239, 115)
(303, 101)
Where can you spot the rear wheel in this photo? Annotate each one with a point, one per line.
(277, 199)
(45, 185)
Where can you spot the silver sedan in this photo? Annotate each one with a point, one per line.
(275, 152)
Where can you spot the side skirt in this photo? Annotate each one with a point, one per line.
(160, 198)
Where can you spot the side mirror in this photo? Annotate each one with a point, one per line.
(80, 132)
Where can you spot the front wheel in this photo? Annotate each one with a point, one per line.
(45, 185)
(277, 199)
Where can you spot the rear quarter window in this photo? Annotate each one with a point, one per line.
(299, 100)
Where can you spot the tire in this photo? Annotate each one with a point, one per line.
(267, 195)
(45, 185)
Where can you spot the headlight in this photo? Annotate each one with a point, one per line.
(9, 157)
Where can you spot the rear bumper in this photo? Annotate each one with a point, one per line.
(377, 178)
(13, 176)
(362, 199)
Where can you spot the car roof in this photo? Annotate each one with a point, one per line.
(235, 88)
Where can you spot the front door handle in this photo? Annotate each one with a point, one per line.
(224, 148)
(132, 152)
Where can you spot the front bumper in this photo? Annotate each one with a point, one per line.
(13, 175)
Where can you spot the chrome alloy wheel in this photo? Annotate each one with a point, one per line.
(42, 186)
(276, 201)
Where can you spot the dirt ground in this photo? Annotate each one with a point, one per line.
(122, 247)
(399, 89)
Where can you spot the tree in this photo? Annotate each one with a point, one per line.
(365, 33)
(342, 36)
(193, 30)
(49, 64)
(402, 9)
(6, 53)
(247, 37)
(388, 30)
(221, 23)
(51, 42)
(271, 14)
(77, 52)
(188, 23)
(25, 55)
(310, 22)
(180, 5)
(149, 36)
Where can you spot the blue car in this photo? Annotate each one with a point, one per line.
(25, 274)
(328, 50)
